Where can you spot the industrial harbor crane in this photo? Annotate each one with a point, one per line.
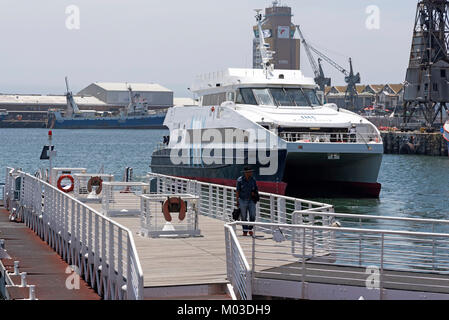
(426, 93)
(320, 79)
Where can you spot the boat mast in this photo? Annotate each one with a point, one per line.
(131, 104)
(72, 107)
(265, 52)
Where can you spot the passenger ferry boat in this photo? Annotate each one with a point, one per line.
(312, 147)
(446, 133)
(135, 116)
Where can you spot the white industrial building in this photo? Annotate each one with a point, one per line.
(34, 102)
(117, 94)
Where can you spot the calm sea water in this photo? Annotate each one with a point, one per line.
(413, 186)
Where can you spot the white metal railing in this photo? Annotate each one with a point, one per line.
(327, 137)
(403, 260)
(57, 172)
(219, 201)
(238, 270)
(315, 217)
(81, 191)
(103, 251)
(2, 192)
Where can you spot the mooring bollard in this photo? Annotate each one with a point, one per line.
(16, 268)
(32, 292)
(23, 278)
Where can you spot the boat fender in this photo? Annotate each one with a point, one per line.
(172, 205)
(95, 182)
(72, 183)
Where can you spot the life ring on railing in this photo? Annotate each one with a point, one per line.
(72, 183)
(174, 205)
(95, 182)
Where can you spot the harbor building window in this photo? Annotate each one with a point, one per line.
(435, 87)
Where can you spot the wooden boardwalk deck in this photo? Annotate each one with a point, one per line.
(196, 260)
(45, 269)
(180, 261)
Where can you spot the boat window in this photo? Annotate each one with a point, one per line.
(246, 96)
(263, 97)
(311, 95)
(281, 97)
(214, 99)
(298, 97)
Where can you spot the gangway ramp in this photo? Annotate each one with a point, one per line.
(335, 262)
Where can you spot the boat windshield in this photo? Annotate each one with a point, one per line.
(263, 97)
(299, 97)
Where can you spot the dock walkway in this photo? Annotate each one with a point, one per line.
(44, 267)
(301, 249)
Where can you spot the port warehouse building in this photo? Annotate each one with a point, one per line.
(97, 96)
(386, 96)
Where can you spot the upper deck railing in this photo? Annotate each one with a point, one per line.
(330, 137)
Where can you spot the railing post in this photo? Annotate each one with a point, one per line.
(433, 247)
(360, 243)
(381, 276)
(303, 285)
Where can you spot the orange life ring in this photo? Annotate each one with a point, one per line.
(174, 205)
(72, 183)
(95, 182)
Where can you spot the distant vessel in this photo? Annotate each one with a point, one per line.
(135, 116)
(316, 148)
(446, 133)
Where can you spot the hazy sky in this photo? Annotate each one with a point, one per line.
(171, 41)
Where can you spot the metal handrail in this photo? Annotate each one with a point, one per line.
(210, 196)
(134, 270)
(240, 279)
(322, 253)
(342, 229)
(365, 217)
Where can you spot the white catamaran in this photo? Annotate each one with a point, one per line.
(316, 147)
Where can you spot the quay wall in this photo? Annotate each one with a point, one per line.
(431, 144)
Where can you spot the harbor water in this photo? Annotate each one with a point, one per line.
(412, 186)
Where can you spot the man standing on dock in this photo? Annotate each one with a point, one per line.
(246, 193)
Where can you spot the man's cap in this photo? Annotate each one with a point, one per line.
(247, 169)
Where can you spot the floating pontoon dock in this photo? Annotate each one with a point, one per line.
(301, 249)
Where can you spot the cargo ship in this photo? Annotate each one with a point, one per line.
(274, 122)
(135, 116)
